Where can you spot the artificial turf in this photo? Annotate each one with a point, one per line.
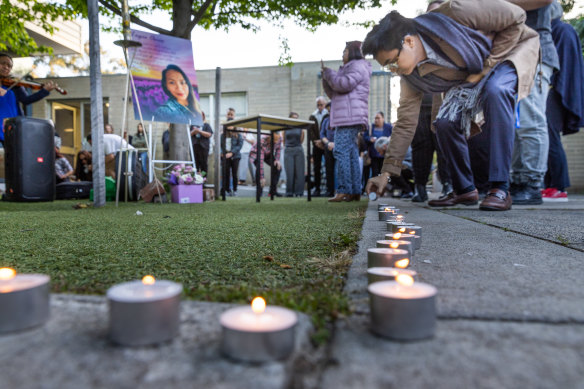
(290, 251)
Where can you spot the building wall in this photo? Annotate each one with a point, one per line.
(270, 90)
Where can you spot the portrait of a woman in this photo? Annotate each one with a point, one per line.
(182, 105)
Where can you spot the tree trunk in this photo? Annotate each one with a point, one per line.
(179, 147)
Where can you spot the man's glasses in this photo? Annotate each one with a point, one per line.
(393, 64)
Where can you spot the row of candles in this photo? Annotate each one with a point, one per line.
(401, 308)
(146, 312)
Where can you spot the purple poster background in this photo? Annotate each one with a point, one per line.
(155, 54)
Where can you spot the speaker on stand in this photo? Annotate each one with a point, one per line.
(29, 145)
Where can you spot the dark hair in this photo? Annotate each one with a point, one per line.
(354, 48)
(7, 55)
(388, 34)
(381, 113)
(191, 97)
(328, 104)
(292, 114)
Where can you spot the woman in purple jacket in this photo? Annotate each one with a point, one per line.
(348, 89)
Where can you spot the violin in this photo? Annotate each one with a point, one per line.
(14, 82)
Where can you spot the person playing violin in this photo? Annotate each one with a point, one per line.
(10, 97)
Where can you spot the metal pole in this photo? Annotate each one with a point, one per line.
(98, 159)
(258, 160)
(217, 133)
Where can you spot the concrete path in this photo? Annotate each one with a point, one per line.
(510, 303)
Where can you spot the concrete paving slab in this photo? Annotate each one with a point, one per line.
(563, 226)
(72, 351)
(463, 354)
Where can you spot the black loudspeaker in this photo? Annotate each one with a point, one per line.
(131, 175)
(29, 149)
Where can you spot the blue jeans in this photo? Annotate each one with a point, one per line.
(530, 152)
(499, 111)
(346, 154)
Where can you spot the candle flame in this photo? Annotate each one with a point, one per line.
(394, 245)
(402, 230)
(148, 280)
(399, 218)
(405, 280)
(402, 263)
(386, 209)
(397, 236)
(258, 305)
(412, 232)
(7, 273)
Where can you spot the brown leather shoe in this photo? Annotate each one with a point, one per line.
(355, 197)
(496, 200)
(469, 198)
(340, 197)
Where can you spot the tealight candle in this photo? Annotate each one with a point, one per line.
(411, 229)
(24, 300)
(409, 237)
(402, 309)
(144, 312)
(258, 333)
(397, 244)
(377, 274)
(395, 226)
(388, 257)
(382, 206)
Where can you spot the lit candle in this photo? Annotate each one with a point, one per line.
(388, 257)
(402, 309)
(397, 244)
(382, 206)
(403, 236)
(376, 274)
(24, 300)
(144, 312)
(396, 226)
(389, 215)
(258, 333)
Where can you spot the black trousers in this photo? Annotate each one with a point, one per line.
(274, 174)
(317, 154)
(201, 158)
(329, 163)
(230, 169)
(423, 146)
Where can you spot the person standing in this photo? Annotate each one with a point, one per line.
(264, 154)
(481, 54)
(565, 104)
(11, 98)
(139, 142)
(318, 147)
(348, 89)
(231, 142)
(327, 136)
(294, 160)
(530, 150)
(378, 129)
(200, 137)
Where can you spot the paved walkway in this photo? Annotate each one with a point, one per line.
(510, 315)
(510, 303)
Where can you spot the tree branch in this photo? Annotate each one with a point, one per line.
(134, 19)
(200, 13)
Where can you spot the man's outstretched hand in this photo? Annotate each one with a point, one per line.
(377, 184)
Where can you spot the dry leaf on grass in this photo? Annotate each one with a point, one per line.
(284, 266)
(269, 258)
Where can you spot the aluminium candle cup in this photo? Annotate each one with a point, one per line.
(377, 274)
(24, 302)
(402, 316)
(381, 207)
(144, 314)
(261, 344)
(409, 238)
(401, 244)
(386, 257)
(387, 215)
(395, 226)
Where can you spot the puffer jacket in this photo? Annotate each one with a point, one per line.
(348, 89)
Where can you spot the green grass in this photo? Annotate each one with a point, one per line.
(293, 252)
